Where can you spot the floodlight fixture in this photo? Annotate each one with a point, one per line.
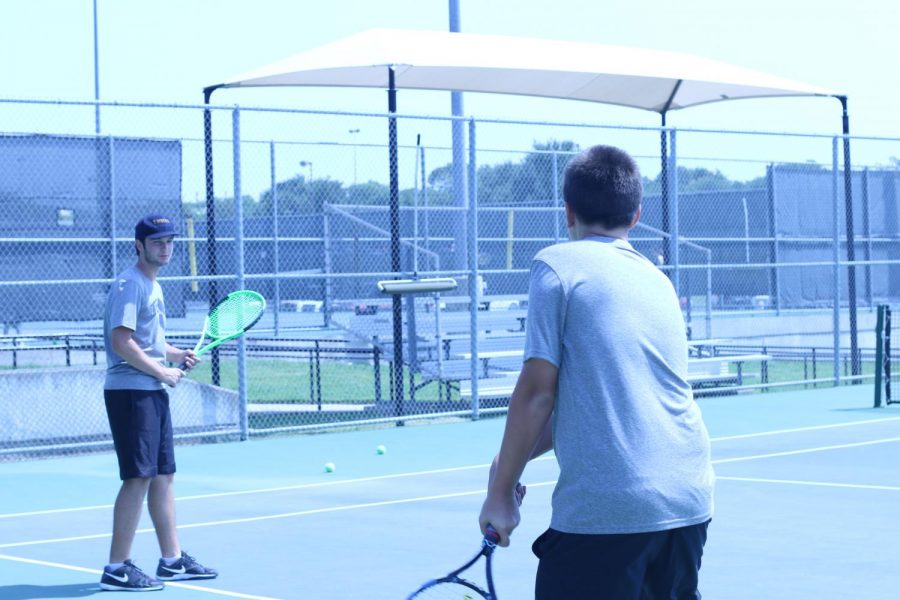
(417, 286)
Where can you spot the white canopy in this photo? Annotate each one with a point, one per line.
(431, 60)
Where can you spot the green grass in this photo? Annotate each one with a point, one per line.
(288, 381)
(797, 370)
(274, 380)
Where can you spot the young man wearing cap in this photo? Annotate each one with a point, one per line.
(138, 409)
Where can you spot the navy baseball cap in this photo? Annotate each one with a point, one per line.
(154, 226)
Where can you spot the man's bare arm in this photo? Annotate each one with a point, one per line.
(526, 435)
(125, 346)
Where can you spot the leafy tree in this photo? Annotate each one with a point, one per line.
(297, 196)
(701, 180)
(373, 193)
(441, 179)
(529, 180)
(370, 193)
(322, 191)
(224, 208)
(292, 197)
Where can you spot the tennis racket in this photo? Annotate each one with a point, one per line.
(229, 319)
(452, 586)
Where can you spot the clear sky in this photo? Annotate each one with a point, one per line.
(167, 51)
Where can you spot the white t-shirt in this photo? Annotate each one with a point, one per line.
(633, 451)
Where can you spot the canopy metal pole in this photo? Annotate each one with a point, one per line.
(210, 219)
(397, 303)
(851, 240)
(664, 178)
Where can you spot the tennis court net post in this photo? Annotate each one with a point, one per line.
(883, 356)
(887, 357)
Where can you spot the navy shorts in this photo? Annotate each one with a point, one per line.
(141, 426)
(634, 566)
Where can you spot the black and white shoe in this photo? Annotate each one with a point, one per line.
(185, 567)
(128, 578)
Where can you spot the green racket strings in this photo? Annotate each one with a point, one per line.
(238, 311)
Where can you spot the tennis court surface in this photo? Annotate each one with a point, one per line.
(806, 508)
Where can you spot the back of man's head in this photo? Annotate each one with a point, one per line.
(603, 187)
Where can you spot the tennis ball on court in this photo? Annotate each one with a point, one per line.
(329, 467)
(380, 449)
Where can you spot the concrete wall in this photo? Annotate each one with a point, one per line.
(66, 403)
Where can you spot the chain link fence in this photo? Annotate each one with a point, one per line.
(777, 273)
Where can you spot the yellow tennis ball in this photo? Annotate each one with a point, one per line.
(329, 467)
(380, 449)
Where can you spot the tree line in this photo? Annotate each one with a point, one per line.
(530, 181)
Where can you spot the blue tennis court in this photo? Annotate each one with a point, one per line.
(805, 509)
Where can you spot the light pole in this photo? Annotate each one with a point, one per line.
(96, 76)
(307, 163)
(354, 132)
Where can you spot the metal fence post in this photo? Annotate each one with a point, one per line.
(275, 259)
(775, 249)
(376, 366)
(555, 197)
(708, 294)
(318, 375)
(425, 197)
(675, 258)
(239, 255)
(114, 256)
(474, 291)
(867, 231)
(836, 258)
(326, 252)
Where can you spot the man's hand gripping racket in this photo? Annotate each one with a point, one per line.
(453, 586)
(229, 319)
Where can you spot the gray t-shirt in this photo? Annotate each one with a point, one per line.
(633, 451)
(135, 302)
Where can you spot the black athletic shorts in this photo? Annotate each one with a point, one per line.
(634, 566)
(141, 426)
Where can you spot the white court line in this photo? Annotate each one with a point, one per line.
(425, 498)
(801, 429)
(298, 513)
(97, 572)
(301, 486)
(287, 488)
(375, 504)
(806, 450)
(855, 486)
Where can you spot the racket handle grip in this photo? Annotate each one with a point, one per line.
(491, 534)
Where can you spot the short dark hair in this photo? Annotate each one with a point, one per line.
(603, 186)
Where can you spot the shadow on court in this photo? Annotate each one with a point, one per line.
(35, 592)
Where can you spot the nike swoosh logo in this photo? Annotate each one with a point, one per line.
(122, 579)
(176, 571)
